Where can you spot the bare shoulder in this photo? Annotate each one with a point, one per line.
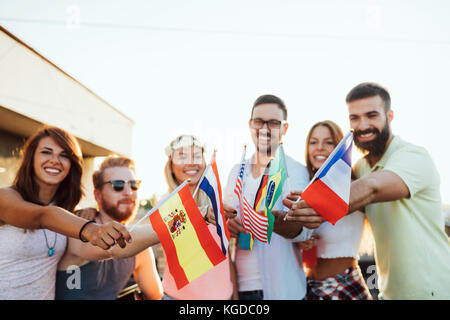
(8, 192)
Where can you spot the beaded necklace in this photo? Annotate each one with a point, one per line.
(51, 250)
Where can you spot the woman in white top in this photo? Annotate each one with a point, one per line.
(336, 274)
(35, 211)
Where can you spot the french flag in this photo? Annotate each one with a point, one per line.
(329, 191)
(211, 186)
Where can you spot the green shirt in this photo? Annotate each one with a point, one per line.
(412, 250)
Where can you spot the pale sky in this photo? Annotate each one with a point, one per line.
(197, 66)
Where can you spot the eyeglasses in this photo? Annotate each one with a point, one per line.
(258, 123)
(118, 185)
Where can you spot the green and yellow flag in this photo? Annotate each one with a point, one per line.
(275, 182)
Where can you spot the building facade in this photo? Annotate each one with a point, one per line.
(34, 92)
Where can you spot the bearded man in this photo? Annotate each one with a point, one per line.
(115, 190)
(398, 187)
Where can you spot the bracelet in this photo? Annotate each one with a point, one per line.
(82, 228)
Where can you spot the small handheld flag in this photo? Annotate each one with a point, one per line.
(252, 221)
(275, 182)
(328, 193)
(262, 189)
(189, 246)
(210, 184)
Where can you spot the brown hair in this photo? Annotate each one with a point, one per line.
(270, 98)
(111, 162)
(336, 134)
(70, 191)
(368, 90)
(367, 242)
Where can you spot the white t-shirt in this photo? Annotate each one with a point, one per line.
(247, 260)
(27, 272)
(273, 267)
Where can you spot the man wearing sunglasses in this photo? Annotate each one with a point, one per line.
(115, 190)
(267, 271)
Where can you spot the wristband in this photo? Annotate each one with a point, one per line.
(82, 228)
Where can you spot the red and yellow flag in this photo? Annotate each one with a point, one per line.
(189, 246)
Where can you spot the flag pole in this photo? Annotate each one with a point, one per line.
(237, 177)
(242, 161)
(160, 204)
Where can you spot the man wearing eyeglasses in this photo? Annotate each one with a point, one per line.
(268, 271)
(115, 190)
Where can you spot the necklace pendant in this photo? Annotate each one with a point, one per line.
(51, 252)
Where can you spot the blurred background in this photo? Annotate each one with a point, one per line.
(129, 76)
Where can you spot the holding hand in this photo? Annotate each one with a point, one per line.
(210, 217)
(229, 211)
(106, 235)
(308, 244)
(234, 222)
(301, 212)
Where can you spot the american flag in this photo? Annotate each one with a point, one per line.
(253, 222)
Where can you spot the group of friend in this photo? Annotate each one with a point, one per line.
(395, 193)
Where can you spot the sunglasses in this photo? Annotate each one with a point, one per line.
(118, 185)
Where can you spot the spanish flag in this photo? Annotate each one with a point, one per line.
(189, 246)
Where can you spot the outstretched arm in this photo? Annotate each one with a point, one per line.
(379, 186)
(15, 211)
(143, 237)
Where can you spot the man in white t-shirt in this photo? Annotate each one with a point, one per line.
(268, 271)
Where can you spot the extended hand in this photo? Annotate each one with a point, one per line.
(301, 212)
(235, 226)
(229, 211)
(106, 235)
(210, 217)
(308, 244)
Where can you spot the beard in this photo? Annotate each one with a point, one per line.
(113, 211)
(377, 146)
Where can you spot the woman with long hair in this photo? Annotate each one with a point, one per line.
(35, 213)
(336, 274)
(186, 161)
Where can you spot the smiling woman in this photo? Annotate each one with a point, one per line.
(46, 188)
(186, 161)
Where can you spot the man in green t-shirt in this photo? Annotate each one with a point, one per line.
(398, 187)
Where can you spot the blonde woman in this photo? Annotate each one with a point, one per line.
(185, 160)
